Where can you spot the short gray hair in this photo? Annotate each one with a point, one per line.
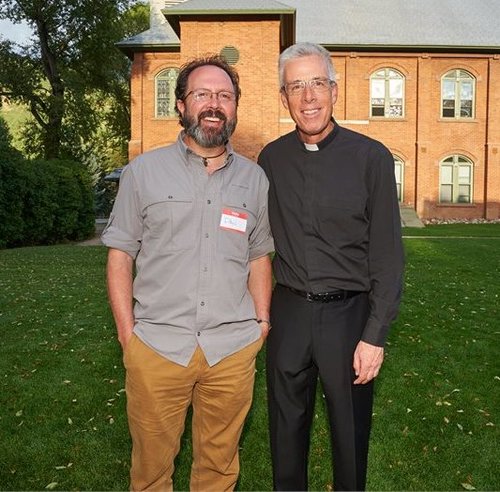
(304, 49)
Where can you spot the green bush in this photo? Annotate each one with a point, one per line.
(74, 215)
(42, 202)
(11, 189)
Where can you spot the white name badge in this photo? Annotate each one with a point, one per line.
(233, 221)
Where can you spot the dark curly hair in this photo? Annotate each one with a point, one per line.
(214, 60)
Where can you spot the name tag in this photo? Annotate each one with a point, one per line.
(233, 221)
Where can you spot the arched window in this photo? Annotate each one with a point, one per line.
(165, 93)
(457, 94)
(399, 173)
(455, 180)
(387, 93)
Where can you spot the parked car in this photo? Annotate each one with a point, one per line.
(114, 175)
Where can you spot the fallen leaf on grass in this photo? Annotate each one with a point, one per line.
(19, 413)
(468, 486)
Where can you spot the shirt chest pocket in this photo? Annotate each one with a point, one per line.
(170, 222)
(237, 221)
(341, 220)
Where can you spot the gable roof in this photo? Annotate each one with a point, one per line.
(460, 24)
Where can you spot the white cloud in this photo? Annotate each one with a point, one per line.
(19, 33)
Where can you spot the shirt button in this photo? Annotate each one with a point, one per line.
(170, 197)
(202, 303)
(199, 333)
(245, 205)
(205, 269)
(206, 235)
(209, 201)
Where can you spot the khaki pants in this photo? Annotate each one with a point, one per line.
(159, 393)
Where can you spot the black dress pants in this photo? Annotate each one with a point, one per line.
(310, 339)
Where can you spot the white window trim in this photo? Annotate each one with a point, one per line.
(400, 162)
(386, 79)
(458, 75)
(455, 164)
(162, 75)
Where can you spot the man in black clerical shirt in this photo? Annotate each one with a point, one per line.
(338, 266)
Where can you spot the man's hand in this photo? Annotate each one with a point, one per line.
(124, 338)
(260, 286)
(367, 362)
(119, 279)
(265, 327)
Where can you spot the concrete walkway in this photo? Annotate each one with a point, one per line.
(409, 217)
(96, 240)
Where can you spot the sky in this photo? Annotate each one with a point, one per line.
(18, 33)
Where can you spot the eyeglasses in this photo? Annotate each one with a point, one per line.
(204, 95)
(299, 86)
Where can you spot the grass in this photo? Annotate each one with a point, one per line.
(454, 230)
(63, 421)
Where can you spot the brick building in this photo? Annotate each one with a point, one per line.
(419, 75)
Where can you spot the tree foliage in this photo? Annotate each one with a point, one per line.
(70, 75)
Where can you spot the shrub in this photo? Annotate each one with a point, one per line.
(11, 189)
(42, 202)
(58, 203)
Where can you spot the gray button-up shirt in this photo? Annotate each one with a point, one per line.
(192, 236)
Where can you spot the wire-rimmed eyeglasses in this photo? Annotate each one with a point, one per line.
(299, 86)
(204, 95)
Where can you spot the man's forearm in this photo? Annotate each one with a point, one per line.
(260, 287)
(119, 280)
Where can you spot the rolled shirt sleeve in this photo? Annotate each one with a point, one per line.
(261, 241)
(124, 228)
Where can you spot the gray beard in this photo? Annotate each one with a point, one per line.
(209, 137)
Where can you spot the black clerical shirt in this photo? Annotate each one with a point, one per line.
(335, 220)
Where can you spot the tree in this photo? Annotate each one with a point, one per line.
(71, 76)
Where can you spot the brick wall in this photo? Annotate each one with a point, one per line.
(147, 131)
(422, 139)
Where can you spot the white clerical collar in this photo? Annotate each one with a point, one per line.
(311, 147)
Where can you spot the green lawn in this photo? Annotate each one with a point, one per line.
(63, 423)
(454, 230)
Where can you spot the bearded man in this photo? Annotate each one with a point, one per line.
(192, 219)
